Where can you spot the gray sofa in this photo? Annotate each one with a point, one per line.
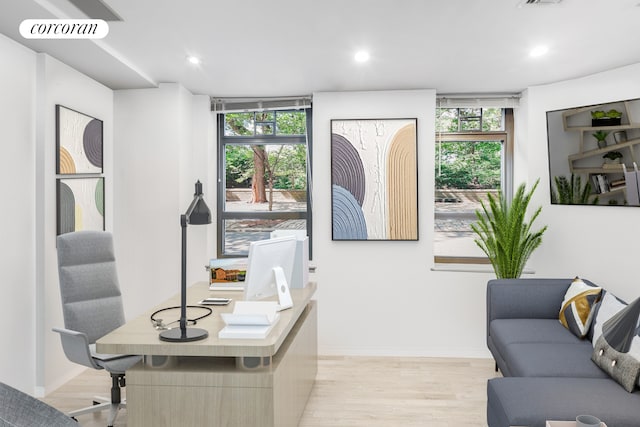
(547, 371)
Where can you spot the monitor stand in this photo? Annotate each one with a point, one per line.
(284, 296)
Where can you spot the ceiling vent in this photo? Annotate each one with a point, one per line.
(96, 9)
(537, 2)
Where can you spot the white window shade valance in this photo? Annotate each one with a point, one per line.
(477, 101)
(239, 105)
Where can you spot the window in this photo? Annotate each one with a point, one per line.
(473, 158)
(264, 174)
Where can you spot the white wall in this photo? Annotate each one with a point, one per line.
(595, 242)
(161, 148)
(32, 84)
(382, 298)
(17, 180)
(58, 83)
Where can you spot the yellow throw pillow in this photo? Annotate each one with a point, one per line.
(575, 312)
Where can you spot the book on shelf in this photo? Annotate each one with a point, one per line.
(601, 184)
(595, 184)
(604, 183)
(617, 183)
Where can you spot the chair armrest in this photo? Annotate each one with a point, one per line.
(76, 347)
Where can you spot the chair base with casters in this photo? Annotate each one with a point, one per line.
(102, 404)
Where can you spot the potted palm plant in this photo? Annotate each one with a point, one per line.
(505, 235)
(572, 192)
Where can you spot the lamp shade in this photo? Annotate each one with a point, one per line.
(198, 212)
(201, 213)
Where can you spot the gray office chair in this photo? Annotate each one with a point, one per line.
(18, 409)
(92, 307)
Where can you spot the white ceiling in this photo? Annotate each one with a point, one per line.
(297, 47)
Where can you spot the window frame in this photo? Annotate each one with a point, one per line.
(506, 181)
(270, 139)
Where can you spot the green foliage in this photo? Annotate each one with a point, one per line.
(468, 119)
(287, 162)
(612, 114)
(290, 161)
(468, 165)
(264, 123)
(292, 168)
(600, 135)
(503, 233)
(239, 166)
(291, 123)
(571, 192)
(612, 155)
(239, 124)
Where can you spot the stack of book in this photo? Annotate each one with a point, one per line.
(600, 183)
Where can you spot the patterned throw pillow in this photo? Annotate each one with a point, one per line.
(613, 350)
(608, 306)
(575, 312)
(622, 367)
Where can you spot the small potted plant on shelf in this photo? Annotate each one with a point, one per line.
(601, 137)
(606, 118)
(612, 158)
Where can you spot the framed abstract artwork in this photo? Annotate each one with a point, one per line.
(78, 143)
(374, 179)
(80, 204)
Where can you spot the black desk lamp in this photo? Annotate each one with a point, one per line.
(198, 213)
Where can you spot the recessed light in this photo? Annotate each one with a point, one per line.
(193, 60)
(362, 56)
(538, 51)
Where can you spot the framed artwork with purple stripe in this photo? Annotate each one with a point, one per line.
(78, 143)
(374, 179)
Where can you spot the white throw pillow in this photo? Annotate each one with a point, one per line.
(609, 306)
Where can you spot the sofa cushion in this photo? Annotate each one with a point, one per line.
(575, 312)
(551, 360)
(531, 401)
(509, 331)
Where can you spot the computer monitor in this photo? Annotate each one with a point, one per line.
(269, 269)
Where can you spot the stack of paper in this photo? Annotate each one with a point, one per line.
(250, 320)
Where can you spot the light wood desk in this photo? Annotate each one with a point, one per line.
(220, 382)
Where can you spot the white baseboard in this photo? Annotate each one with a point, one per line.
(409, 352)
(43, 391)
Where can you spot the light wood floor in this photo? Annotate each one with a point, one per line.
(354, 391)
